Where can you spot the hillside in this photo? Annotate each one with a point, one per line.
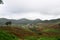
(25, 29)
(40, 33)
(33, 32)
(20, 32)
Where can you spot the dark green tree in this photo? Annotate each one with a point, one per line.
(8, 23)
(1, 2)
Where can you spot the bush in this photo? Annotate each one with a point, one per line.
(6, 36)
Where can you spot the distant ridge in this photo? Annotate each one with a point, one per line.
(27, 21)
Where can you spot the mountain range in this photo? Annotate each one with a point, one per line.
(27, 21)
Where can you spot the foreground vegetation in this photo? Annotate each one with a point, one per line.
(30, 32)
(4, 35)
(42, 38)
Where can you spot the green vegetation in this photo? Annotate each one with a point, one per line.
(48, 38)
(42, 38)
(4, 35)
(52, 30)
(31, 38)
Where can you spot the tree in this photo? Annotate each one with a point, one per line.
(8, 23)
(1, 2)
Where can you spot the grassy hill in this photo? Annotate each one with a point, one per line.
(4, 35)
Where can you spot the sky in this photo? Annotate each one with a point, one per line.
(30, 9)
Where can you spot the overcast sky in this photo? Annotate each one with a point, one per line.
(30, 9)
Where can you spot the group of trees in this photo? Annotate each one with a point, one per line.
(8, 23)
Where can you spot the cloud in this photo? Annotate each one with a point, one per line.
(31, 9)
(43, 6)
